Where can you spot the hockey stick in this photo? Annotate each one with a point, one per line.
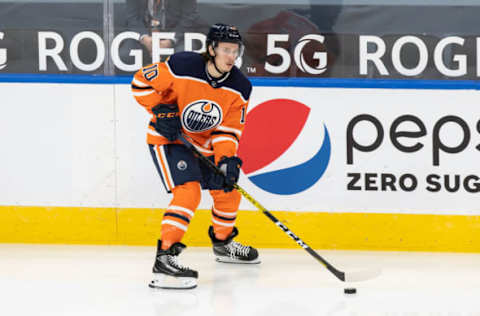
(353, 276)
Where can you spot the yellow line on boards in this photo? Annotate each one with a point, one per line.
(141, 226)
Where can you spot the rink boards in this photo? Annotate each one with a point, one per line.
(344, 168)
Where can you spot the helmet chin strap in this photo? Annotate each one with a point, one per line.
(215, 65)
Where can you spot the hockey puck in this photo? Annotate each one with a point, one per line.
(350, 290)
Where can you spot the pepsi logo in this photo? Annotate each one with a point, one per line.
(273, 133)
(201, 115)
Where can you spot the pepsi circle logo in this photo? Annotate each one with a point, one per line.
(272, 128)
(201, 115)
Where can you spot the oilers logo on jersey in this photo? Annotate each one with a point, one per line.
(182, 165)
(201, 115)
(213, 117)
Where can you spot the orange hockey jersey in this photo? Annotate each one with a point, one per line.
(212, 110)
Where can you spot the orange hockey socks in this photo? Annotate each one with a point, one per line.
(224, 212)
(186, 198)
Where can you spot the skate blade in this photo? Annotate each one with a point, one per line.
(163, 281)
(236, 261)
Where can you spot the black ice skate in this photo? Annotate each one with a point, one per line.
(230, 251)
(168, 273)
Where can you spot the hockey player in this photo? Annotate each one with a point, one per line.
(204, 97)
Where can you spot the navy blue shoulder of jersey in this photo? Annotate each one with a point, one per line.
(188, 64)
(238, 82)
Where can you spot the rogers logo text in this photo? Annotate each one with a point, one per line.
(3, 54)
(373, 51)
(201, 115)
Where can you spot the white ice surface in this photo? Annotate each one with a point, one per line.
(112, 280)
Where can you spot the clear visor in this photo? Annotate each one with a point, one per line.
(235, 52)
